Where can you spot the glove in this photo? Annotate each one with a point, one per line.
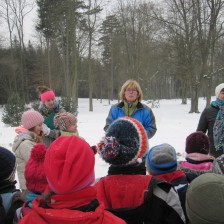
(46, 129)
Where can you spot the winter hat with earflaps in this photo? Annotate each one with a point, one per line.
(205, 199)
(161, 159)
(218, 89)
(31, 118)
(36, 180)
(69, 165)
(7, 165)
(125, 142)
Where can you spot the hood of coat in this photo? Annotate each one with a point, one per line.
(22, 137)
(68, 216)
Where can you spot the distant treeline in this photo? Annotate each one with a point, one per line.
(174, 49)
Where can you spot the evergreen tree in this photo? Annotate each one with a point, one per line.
(13, 110)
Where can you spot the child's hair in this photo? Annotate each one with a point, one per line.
(46, 200)
(42, 89)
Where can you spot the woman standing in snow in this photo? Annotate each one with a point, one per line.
(48, 108)
(208, 119)
(130, 105)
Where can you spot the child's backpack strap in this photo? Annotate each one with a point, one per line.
(16, 202)
(2, 211)
(154, 183)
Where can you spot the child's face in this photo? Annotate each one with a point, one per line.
(50, 103)
(38, 129)
(72, 128)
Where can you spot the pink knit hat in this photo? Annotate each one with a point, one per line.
(36, 180)
(69, 165)
(31, 118)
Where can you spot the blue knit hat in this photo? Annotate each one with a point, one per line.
(161, 159)
(125, 142)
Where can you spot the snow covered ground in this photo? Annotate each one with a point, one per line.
(173, 121)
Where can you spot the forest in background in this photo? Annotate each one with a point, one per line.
(174, 49)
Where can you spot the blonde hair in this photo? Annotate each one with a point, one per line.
(132, 84)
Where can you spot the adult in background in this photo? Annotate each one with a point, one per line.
(69, 168)
(208, 119)
(126, 192)
(49, 107)
(130, 105)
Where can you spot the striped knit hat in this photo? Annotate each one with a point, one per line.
(125, 142)
(64, 121)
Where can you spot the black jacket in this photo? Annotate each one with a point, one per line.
(206, 124)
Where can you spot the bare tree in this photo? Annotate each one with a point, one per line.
(19, 9)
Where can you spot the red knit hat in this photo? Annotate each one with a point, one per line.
(31, 118)
(69, 165)
(36, 180)
(197, 142)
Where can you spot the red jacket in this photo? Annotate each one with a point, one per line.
(140, 199)
(60, 213)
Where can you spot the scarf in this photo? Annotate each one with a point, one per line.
(30, 197)
(218, 128)
(46, 111)
(130, 107)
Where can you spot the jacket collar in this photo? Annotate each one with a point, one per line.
(139, 105)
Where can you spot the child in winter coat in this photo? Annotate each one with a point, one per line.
(49, 107)
(10, 197)
(205, 199)
(24, 142)
(198, 161)
(36, 180)
(70, 198)
(161, 162)
(127, 193)
(67, 123)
